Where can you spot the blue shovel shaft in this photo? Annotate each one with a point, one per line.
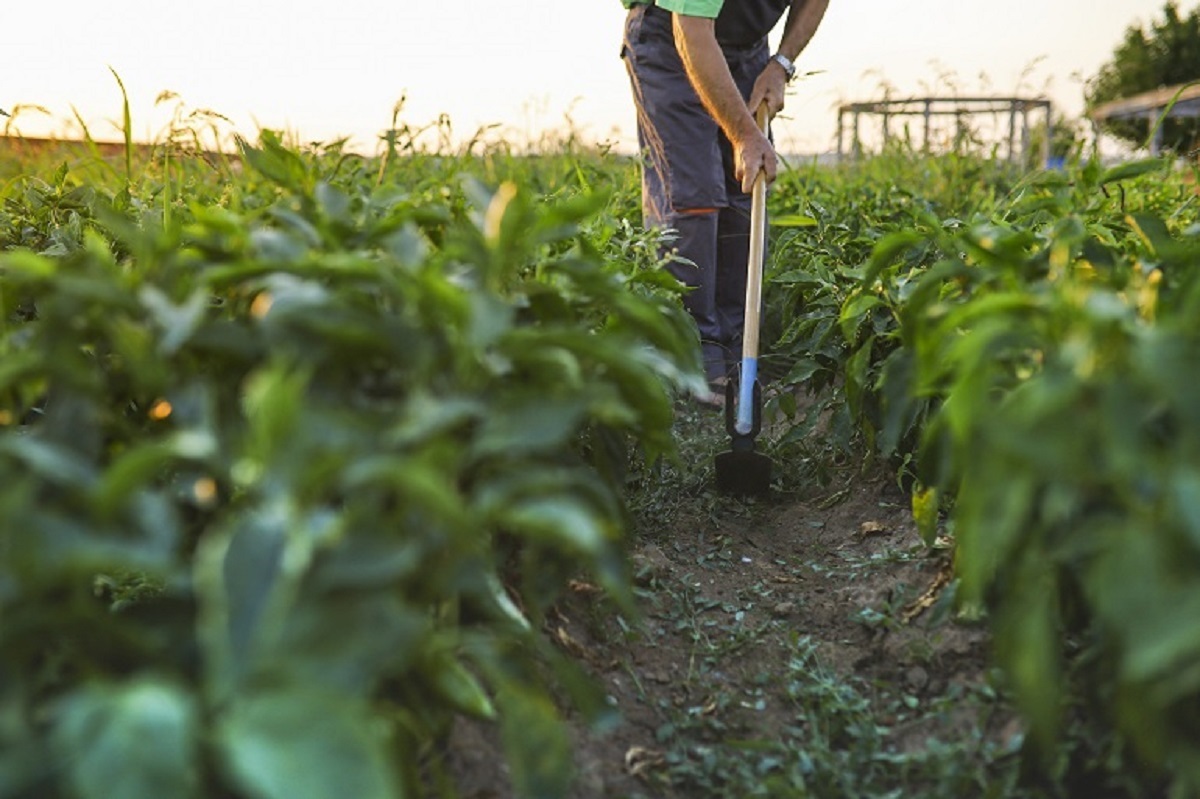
(744, 422)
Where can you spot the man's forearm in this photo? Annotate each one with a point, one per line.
(696, 40)
(802, 23)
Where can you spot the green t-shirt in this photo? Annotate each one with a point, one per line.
(693, 8)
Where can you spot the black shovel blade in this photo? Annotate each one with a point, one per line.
(746, 473)
(742, 471)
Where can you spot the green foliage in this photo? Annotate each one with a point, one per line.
(1067, 435)
(293, 463)
(841, 743)
(1069, 138)
(297, 448)
(844, 337)
(1027, 364)
(137, 740)
(1168, 54)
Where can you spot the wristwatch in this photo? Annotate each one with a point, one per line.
(788, 67)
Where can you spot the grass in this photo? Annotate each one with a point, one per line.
(754, 616)
(812, 676)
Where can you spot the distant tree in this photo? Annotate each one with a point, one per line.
(1167, 55)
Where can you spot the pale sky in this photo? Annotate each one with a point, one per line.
(328, 70)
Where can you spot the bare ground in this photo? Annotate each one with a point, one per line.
(803, 644)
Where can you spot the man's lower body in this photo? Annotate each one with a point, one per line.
(688, 184)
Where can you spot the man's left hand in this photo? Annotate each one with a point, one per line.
(769, 88)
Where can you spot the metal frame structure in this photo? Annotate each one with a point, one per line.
(1018, 110)
(1175, 101)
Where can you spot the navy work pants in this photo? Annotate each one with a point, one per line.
(687, 180)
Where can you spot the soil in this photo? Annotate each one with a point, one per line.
(736, 596)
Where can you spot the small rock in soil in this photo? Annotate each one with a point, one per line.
(917, 678)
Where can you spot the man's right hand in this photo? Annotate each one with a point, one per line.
(754, 153)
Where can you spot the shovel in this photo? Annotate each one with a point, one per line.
(742, 470)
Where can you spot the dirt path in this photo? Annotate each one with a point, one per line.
(801, 645)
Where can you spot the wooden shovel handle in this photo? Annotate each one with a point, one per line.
(758, 238)
(746, 406)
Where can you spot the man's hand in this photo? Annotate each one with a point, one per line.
(753, 154)
(769, 88)
(803, 19)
